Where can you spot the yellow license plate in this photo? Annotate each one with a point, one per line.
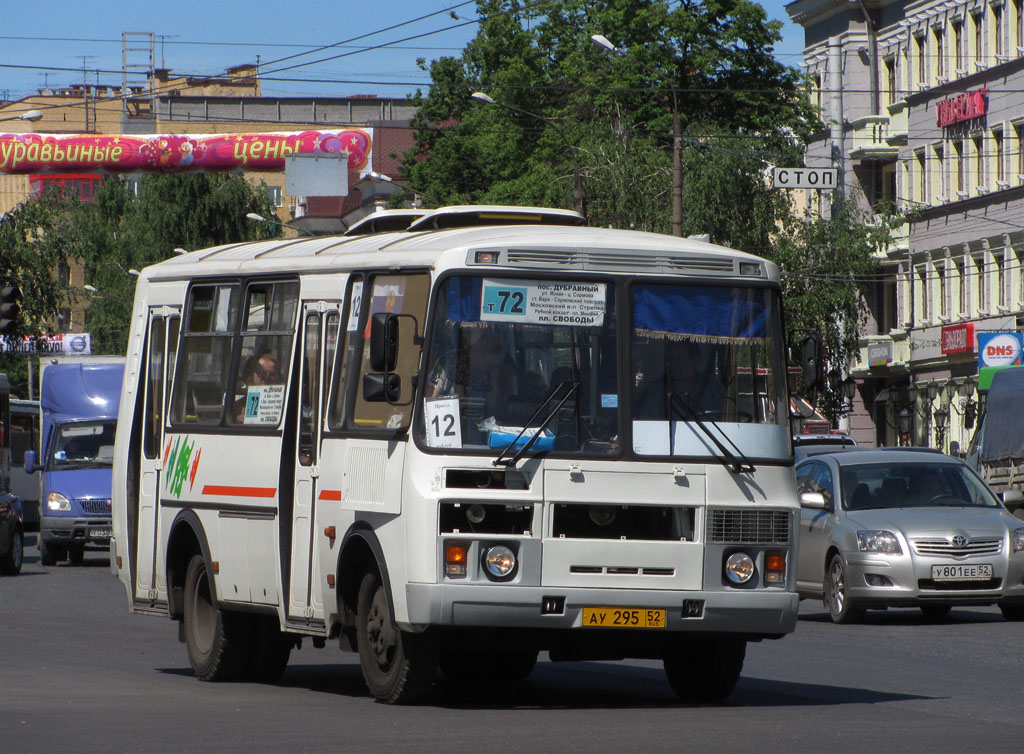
(623, 617)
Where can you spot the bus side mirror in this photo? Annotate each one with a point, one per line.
(30, 461)
(383, 342)
(382, 386)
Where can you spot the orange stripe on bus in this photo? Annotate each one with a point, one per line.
(231, 491)
(330, 494)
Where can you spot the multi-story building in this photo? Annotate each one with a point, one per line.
(923, 106)
(184, 105)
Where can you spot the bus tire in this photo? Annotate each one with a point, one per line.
(218, 641)
(399, 667)
(271, 648)
(705, 671)
(470, 667)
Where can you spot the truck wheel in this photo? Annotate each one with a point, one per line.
(50, 554)
(399, 667)
(76, 555)
(705, 671)
(10, 564)
(218, 641)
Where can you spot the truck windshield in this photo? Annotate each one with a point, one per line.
(83, 445)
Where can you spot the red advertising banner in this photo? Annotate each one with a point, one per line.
(958, 338)
(966, 106)
(168, 153)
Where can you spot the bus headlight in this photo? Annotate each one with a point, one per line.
(739, 568)
(57, 502)
(500, 561)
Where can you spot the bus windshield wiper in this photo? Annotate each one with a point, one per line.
(734, 459)
(511, 462)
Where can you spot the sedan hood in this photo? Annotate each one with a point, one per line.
(938, 520)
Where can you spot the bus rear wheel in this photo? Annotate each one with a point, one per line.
(705, 671)
(218, 641)
(399, 667)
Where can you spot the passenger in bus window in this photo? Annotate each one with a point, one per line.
(481, 370)
(262, 369)
(681, 379)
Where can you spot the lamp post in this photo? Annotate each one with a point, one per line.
(257, 218)
(579, 197)
(941, 416)
(29, 115)
(677, 155)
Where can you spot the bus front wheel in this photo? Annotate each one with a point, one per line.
(218, 641)
(398, 666)
(705, 671)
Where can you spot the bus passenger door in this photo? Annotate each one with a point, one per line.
(159, 357)
(320, 325)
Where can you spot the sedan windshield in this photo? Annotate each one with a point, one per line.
(913, 485)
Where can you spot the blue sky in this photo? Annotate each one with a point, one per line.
(207, 37)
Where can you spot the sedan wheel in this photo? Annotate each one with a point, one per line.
(10, 564)
(840, 607)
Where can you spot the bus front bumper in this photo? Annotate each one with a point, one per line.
(763, 613)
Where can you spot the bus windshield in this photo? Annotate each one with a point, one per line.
(504, 353)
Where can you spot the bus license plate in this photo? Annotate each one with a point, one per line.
(623, 617)
(974, 572)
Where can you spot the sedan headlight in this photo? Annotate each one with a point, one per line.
(57, 502)
(1018, 540)
(884, 542)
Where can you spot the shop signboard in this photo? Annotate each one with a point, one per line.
(997, 350)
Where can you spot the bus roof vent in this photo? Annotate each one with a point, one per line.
(598, 259)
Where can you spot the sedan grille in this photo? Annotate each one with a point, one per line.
(757, 527)
(92, 505)
(946, 548)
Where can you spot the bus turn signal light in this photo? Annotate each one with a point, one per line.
(774, 569)
(455, 560)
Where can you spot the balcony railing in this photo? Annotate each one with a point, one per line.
(871, 139)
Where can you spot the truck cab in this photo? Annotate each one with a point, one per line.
(78, 402)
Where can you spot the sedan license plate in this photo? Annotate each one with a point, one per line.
(623, 617)
(99, 533)
(975, 572)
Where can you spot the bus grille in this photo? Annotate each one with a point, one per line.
(95, 506)
(756, 527)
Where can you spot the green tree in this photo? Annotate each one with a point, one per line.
(111, 236)
(829, 266)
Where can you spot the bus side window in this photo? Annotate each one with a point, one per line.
(343, 354)
(399, 294)
(206, 344)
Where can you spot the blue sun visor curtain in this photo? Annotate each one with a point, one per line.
(701, 310)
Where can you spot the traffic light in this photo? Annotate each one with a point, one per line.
(10, 296)
(810, 360)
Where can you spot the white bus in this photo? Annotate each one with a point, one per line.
(453, 447)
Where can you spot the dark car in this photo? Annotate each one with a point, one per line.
(12, 534)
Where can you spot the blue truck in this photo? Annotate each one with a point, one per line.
(78, 400)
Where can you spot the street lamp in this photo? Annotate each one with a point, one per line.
(578, 196)
(941, 416)
(257, 218)
(29, 115)
(677, 153)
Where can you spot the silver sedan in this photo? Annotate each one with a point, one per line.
(902, 528)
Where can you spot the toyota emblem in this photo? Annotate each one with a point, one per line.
(959, 540)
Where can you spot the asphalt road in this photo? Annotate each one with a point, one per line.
(79, 674)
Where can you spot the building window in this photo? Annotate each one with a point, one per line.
(63, 275)
(922, 178)
(1000, 155)
(961, 297)
(1018, 23)
(958, 48)
(979, 28)
(922, 62)
(983, 283)
(999, 260)
(926, 307)
(940, 54)
(997, 22)
(890, 75)
(979, 162)
(961, 170)
(274, 195)
(64, 319)
(940, 275)
(942, 186)
(817, 90)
